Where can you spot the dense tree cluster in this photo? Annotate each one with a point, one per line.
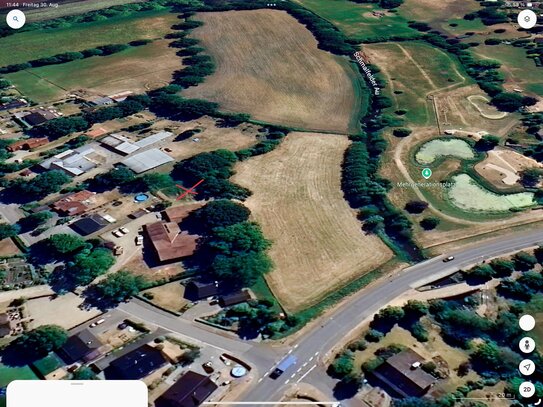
(215, 168)
(34, 345)
(40, 186)
(71, 56)
(238, 254)
(117, 287)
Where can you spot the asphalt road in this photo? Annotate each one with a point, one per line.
(323, 337)
(316, 342)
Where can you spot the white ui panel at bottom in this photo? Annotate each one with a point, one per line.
(70, 393)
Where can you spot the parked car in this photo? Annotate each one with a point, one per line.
(100, 321)
(123, 230)
(117, 233)
(139, 240)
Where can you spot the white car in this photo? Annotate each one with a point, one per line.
(139, 240)
(117, 233)
(123, 230)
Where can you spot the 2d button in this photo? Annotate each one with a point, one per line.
(526, 389)
(526, 345)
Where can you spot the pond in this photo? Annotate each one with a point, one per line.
(434, 149)
(467, 194)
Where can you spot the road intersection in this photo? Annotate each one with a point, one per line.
(320, 339)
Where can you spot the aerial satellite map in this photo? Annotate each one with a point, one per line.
(333, 203)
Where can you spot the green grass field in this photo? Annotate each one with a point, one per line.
(423, 69)
(356, 20)
(8, 374)
(517, 68)
(130, 69)
(36, 44)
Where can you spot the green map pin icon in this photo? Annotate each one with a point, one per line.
(426, 173)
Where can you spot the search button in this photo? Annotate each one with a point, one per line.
(15, 19)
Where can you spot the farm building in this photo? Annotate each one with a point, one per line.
(28, 144)
(153, 138)
(402, 376)
(135, 365)
(120, 144)
(235, 298)
(147, 160)
(190, 390)
(100, 101)
(73, 162)
(73, 204)
(169, 242)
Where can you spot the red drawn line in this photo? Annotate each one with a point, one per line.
(188, 190)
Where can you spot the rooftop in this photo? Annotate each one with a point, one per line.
(190, 390)
(79, 346)
(147, 160)
(120, 143)
(136, 364)
(169, 242)
(403, 375)
(73, 162)
(73, 204)
(89, 225)
(180, 212)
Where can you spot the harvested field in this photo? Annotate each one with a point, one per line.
(29, 45)
(318, 244)
(435, 11)
(137, 69)
(502, 166)
(277, 75)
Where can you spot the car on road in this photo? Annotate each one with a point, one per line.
(283, 366)
(123, 230)
(448, 259)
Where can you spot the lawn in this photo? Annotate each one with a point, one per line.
(431, 11)
(318, 244)
(278, 75)
(357, 20)
(9, 374)
(136, 69)
(31, 45)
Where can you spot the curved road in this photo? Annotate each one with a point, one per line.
(322, 338)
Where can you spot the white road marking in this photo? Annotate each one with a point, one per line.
(287, 381)
(298, 371)
(259, 380)
(316, 353)
(305, 364)
(293, 374)
(311, 358)
(290, 351)
(295, 346)
(306, 373)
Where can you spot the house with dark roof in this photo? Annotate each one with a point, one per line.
(89, 225)
(235, 298)
(402, 376)
(196, 290)
(169, 243)
(191, 390)
(136, 365)
(79, 346)
(36, 117)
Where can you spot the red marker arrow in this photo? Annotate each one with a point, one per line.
(188, 190)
